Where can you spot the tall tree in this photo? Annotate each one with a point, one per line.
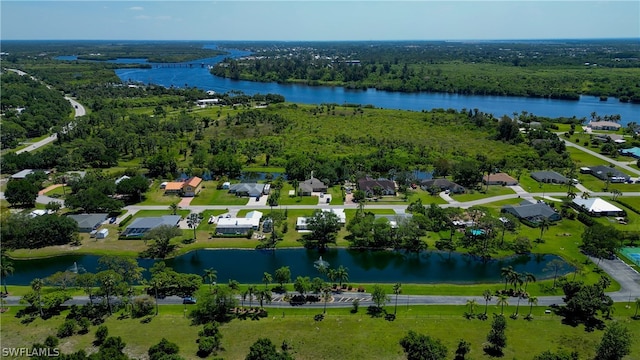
(502, 301)
(533, 300)
(192, 221)
(397, 289)
(487, 297)
(379, 296)
(497, 339)
(36, 286)
(615, 344)
(324, 227)
(282, 276)
(6, 269)
(422, 347)
(211, 275)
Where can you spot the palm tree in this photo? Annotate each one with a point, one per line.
(397, 289)
(571, 194)
(516, 280)
(155, 283)
(487, 297)
(211, 275)
(506, 273)
(518, 304)
(244, 296)
(342, 274)
(174, 208)
(251, 291)
(36, 285)
(585, 195)
(528, 277)
(502, 301)
(264, 295)
(332, 275)
(326, 296)
(616, 193)
(544, 225)
(472, 303)
(6, 269)
(533, 300)
(266, 279)
(637, 306)
(192, 221)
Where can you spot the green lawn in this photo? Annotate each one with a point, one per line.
(494, 190)
(212, 196)
(425, 196)
(156, 196)
(529, 184)
(58, 192)
(581, 158)
(596, 185)
(340, 335)
(336, 195)
(204, 224)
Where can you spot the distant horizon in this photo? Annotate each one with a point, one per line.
(347, 40)
(319, 20)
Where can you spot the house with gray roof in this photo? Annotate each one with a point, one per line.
(443, 185)
(141, 226)
(549, 177)
(372, 186)
(532, 212)
(603, 173)
(248, 189)
(88, 222)
(21, 175)
(310, 186)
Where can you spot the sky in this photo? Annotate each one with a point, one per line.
(318, 20)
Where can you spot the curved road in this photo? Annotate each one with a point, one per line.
(78, 108)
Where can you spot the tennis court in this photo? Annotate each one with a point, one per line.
(632, 253)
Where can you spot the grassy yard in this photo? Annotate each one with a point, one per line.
(212, 196)
(204, 224)
(529, 184)
(156, 196)
(340, 335)
(596, 185)
(581, 158)
(58, 192)
(425, 196)
(336, 195)
(494, 190)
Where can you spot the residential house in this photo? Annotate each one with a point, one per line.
(604, 172)
(239, 226)
(499, 179)
(248, 189)
(597, 207)
(395, 218)
(88, 222)
(121, 178)
(189, 187)
(302, 222)
(549, 177)
(616, 138)
(604, 125)
(21, 175)
(443, 185)
(140, 226)
(532, 212)
(373, 187)
(307, 187)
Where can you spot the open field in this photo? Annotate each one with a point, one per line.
(156, 196)
(341, 334)
(209, 195)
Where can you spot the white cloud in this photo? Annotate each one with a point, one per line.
(143, 17)
(136, 8)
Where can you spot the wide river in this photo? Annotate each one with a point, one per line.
(199, 76)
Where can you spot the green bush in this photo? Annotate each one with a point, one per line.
(67, 328)
(126, 220)
(101, 335)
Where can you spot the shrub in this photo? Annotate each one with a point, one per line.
(355, 305)
(51, 341)
(207, 345)
(125, 220)
(586, 219)
(84, 324)
(101, 335)
(143, 306)
(67, 328)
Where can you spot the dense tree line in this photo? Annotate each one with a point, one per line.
(21, 231)
(29, 109)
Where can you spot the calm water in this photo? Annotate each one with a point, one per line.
(200, 77)
(247, 266)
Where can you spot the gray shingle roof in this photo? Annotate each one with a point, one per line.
(549, 176)
(532, 211)
(86, 221)
(141, 225)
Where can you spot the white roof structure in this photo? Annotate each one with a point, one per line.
(251, 220)
(123, 177)
(342, 217)
(596, 205)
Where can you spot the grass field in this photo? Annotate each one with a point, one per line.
(341, 335)
(532, 186)
(156, 196)
(212, 196)
(494, 190)
(204, 224)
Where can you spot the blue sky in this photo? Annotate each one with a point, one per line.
(318, 20)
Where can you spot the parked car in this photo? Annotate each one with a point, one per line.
(112, 220)
(189, 300)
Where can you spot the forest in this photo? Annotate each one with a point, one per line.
(559, 70)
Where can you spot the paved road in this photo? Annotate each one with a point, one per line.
(600, 156)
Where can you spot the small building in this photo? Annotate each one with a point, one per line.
(102, 234)
(88, 222)
(301, 223)
(443, 185)
(140, 226)
(239, 226)
(342, 217)
(585, 170)
(192, 186)
(532, 212)
(123, 177)
(395, 219)
(310, 186)
(226, 185)
(267, 225)
(604, 125)
(21, 175)
(549, 177)
(373, 187)
(499, 179)
(247, 189)
(207, 102)
(605, 173)
(597, 207)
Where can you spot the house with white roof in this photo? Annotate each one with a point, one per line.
(239, 226)
(597, 207)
